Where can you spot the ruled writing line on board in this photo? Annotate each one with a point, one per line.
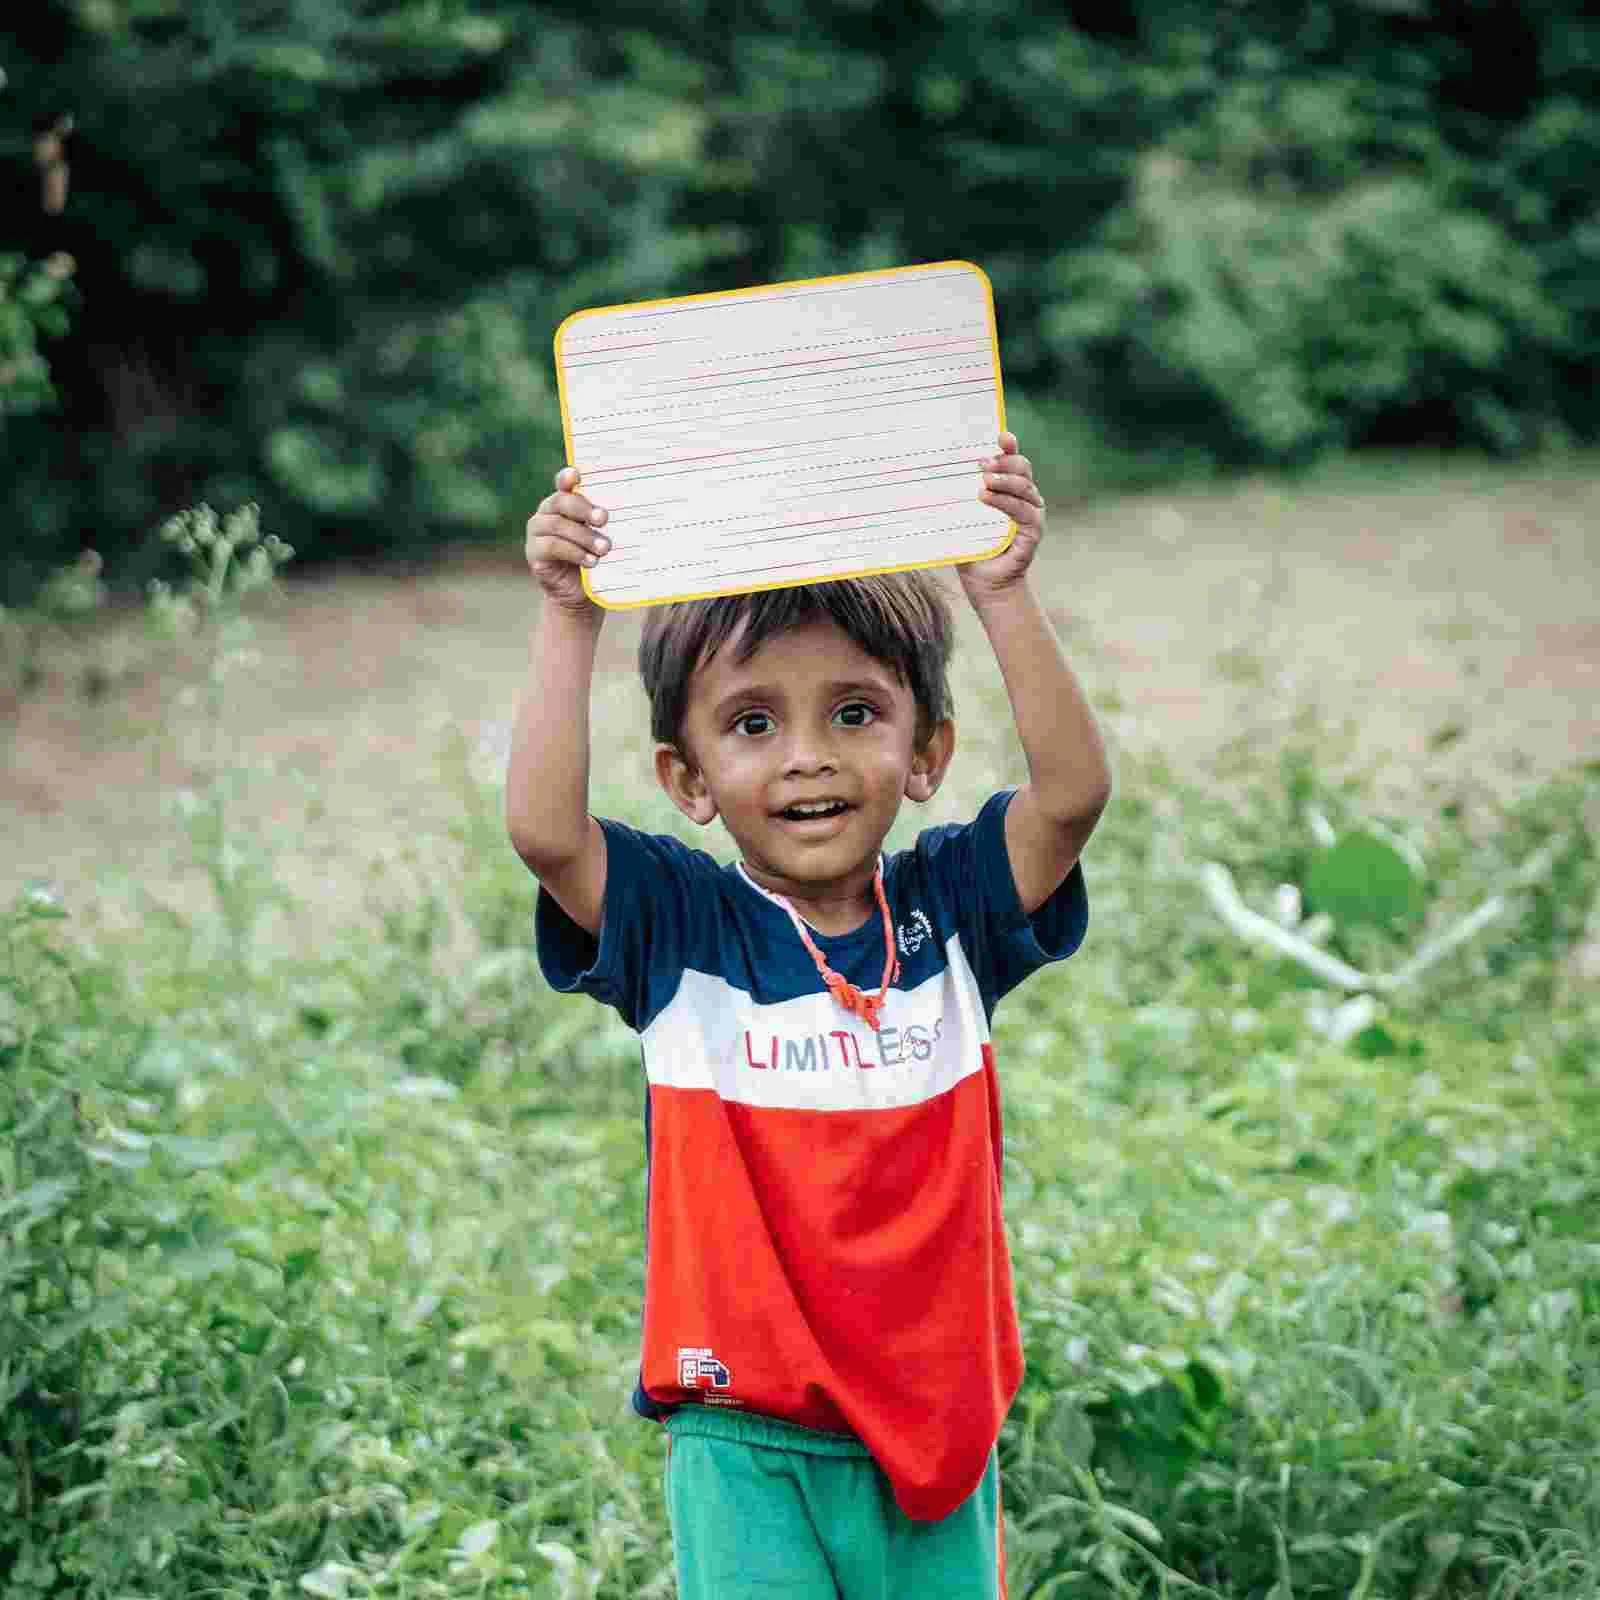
(837, 527)
(796, 530)
(963, 450)
(671, 399)
(846, 558)
(813, 527)
(761, 411)
(775, 372)
(677, 466)
(700, 525)
(808, 396)
(736, 301)
(818, 529)
(771, 350)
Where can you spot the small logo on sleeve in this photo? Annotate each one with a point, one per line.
(921, 932)
(698, 1368)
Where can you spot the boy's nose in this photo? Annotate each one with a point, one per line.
(809, 753)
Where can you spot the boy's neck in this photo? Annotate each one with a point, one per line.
(830, 910)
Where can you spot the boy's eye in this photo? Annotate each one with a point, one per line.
(753, 723)
(858, 714)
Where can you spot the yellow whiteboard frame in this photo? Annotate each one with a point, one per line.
(793, 283)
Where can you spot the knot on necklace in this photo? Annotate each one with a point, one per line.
(856, 1001)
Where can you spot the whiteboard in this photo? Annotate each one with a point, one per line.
(785, 434)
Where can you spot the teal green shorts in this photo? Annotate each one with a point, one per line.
(762, 1508)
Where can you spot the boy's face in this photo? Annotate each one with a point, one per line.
(809, 717)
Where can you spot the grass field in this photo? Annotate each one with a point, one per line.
(322, 1217)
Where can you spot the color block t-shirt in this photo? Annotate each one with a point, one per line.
(823, 1237)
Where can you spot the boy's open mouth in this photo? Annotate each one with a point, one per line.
(814, 810)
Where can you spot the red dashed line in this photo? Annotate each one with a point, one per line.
(788, 349)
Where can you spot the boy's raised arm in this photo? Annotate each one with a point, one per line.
(1069, 775)
(547, 774)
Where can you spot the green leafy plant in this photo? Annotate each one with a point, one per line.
(230, 563)
(1364, 882)
(1156, 1433)
(35, 297)
(86, 1239)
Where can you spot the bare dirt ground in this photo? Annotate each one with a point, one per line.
(1461, 600)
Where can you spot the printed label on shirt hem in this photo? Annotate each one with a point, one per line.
(698, 1368)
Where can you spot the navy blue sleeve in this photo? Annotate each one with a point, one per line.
(968, 869)
(645, 929)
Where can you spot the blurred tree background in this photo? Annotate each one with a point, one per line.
(314, 252)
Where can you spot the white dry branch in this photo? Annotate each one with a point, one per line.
(1218, 884)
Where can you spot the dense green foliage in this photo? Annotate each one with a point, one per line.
(320, 1244)
(324, 245)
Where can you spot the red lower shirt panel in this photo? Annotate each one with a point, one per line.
(843, 1270)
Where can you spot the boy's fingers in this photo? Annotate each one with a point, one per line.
(1014, 483)
(579, 531)
(1022, 512)
(574, 507)
(579, 508)
(552, 547)
(1019, 465)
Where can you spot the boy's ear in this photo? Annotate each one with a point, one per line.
(685, 784)
(929, 764)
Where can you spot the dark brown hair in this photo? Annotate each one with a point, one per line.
(898, 618)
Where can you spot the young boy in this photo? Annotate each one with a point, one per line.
(830, 1333)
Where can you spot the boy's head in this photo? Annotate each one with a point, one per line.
(829, 692)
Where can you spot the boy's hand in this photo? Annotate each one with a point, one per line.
(1008, 487)
(563, 537)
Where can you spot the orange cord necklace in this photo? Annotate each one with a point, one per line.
(854, 1000)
